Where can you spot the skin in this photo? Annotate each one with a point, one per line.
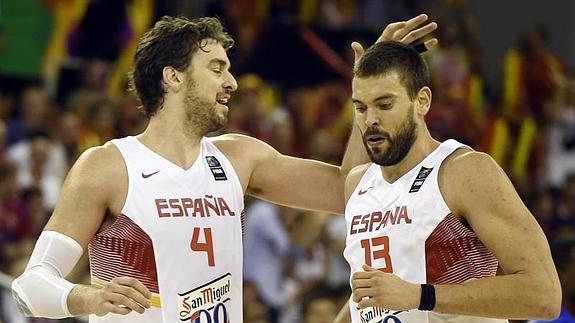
(479, 193)
(190, 111)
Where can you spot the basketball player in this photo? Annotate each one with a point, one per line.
(160, 213)
(429, 223)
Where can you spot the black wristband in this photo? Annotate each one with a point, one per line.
(420, 48)
(427, 301)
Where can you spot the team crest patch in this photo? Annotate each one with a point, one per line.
(421, 176)
(216, 168)
(206, 303)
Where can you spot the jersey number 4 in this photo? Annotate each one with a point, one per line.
(377, 248)
(207, 246)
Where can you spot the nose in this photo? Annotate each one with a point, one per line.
(372, 117)
(230, 84)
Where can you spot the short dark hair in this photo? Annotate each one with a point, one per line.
(384, 57)
(171, 42)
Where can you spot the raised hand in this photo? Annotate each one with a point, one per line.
(403, 31)
(374, 288)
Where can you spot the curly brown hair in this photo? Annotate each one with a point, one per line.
(171, 42)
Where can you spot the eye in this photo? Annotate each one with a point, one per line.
(384, 106)
(360, 108)
(217, 71)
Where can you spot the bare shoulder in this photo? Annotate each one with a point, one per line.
(100, 160)
(467, 165)
(97, 182)
(467, 178)
(243, 152)
(234, 143)
(353, 179)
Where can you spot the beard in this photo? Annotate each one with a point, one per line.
(398, 145)
(202, 115)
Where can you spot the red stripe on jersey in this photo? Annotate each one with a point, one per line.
(124, 249)
(454, 254)
(243, 222)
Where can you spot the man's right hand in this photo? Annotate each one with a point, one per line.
(403, 31)
(121, 295)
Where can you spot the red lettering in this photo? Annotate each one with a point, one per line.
(365, 222)
(175, 205)
(187, 203)
(375, 217)
(224, 207)
(383, 222)
(211, 206)
(394, 215)
(160, 205)
(354, 222)
(403, 215)
(198, 208)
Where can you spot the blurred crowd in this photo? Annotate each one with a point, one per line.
(293, 68)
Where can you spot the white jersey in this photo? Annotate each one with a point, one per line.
(406, 228)
(180, 234)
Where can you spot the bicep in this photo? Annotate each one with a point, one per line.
(489, 203)
(83, 201)
(297, 182)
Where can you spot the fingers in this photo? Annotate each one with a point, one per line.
(418, 33)
(125, 294)
(111, 308)
(133, 294)
(367, 302)
(431, 43)
(134, 283)
(369, 269)
(409, 26)
(390, 30)
(359, 293)
(397, 30)
(357, 50)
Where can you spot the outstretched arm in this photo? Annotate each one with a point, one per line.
(310, 184)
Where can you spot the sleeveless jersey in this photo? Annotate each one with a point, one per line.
(407, 229)
(180, 234)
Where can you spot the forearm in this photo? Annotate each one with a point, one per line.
(344, 316)
(355, 153)
(515, 296)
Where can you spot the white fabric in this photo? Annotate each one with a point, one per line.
(411, 209)
(157, 202)
(42, 291)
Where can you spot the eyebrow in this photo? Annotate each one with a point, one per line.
(383, 97)
(218, 61)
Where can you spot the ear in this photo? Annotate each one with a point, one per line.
(172, 78)
(423, 101)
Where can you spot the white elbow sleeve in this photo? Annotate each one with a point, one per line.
(42, 291)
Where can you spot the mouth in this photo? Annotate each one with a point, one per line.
(375, 140)
(223, 100)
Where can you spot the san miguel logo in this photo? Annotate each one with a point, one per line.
(207, 300)
(421, 176)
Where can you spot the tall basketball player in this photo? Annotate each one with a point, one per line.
(430, 223)
(160, 213)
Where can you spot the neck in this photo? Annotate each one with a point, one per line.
(170, 137)
(422, 147)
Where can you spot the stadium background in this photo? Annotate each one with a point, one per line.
(503, 82)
